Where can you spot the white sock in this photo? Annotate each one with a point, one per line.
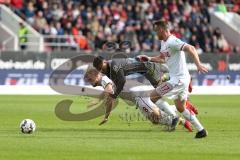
(193, 119)
(164, 106)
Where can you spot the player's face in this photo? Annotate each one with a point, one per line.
(95, 80)
(159, 32)
(103, 67)
(99, 67)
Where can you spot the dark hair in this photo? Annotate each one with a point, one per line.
(98, 62)
(160, 24)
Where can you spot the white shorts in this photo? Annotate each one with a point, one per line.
(145, 106)
(175, 88)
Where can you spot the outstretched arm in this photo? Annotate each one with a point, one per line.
(157, 59)
(192, 51)
(109, 105)
(108, 91)
(119, 81)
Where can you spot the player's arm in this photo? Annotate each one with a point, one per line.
(109, 105)
(108, 91)
(157, 59)
(107, 84)
(192, 51)
(119, 81)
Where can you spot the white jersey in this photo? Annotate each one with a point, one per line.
(171, 51)
(105, 81)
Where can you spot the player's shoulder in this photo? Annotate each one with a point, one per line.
(170, 40)
(173, 39)
(175, 42)
(105, 80)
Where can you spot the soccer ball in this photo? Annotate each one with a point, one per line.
(27, 126)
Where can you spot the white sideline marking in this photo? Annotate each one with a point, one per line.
(46, 90)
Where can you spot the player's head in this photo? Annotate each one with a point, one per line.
(93, 76)
(99, 63)
(161, 27)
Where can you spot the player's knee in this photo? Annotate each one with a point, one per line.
(180, 109)
(180, 105)
(156, 112)
(154, 118)
(154, 97)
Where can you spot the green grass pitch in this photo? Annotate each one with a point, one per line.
(55, 139)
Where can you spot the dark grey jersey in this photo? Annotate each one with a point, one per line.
(118, 69)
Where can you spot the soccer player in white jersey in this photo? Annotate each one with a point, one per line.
(173, 54)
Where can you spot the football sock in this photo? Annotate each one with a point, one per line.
(193, 119)
(164, 106)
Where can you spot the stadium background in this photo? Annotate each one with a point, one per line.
(37, 36)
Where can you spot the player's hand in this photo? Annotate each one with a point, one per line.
(202, 69)
(143, 58)
(104, 121)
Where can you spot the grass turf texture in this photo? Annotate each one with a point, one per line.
(117, 139)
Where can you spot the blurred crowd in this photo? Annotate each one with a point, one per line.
(94, 22)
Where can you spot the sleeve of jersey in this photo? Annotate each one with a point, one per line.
(119, 82)
(177, 44)
(105, 81)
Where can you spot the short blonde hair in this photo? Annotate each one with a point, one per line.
(91, 74)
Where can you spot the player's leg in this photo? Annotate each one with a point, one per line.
(164, 106)
(155, 96)
(189, 105)
(179, 93)
(151, 111)
(180, 104)
(148, 109)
